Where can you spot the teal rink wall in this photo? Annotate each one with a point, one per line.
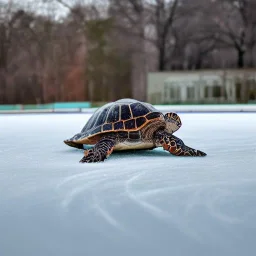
(50, 107)
(86, 107)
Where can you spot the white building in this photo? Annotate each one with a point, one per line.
(208, 86)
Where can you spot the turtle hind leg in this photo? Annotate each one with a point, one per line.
(100, 151)
(176, 146)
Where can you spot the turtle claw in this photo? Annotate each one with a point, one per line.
(184, 150)
(201, 153)
(83, 160)
(176, 146)
(90, 156)
(195, 152)
(180, 149)
(100, 152)
(86, 160)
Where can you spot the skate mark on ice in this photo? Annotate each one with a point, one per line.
(155, 192)
(104, 213)
(152, 209)
(70, 197)
(80, 176)
(194, 200)
(175, 218)
(215, 210)
(69, 179)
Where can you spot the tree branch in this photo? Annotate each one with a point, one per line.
(170, 17)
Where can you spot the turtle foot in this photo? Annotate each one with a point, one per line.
(90, 156)
(100, 152)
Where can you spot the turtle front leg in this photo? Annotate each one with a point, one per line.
(175, 145)
(100, 151)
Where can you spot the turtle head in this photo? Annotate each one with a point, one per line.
(173, 122)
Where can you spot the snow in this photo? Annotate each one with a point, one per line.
(144, 203)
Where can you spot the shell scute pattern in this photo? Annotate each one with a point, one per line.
(90, 123)
(97, 119)
(97, 130)
(119, 125)
(120, 116)
(130, 124)
(113, 115)
(140, 121)
(153, 115)
(125, 112)
(102, 117)
(107, 127)
(138, 109)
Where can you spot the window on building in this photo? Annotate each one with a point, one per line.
(191, 93)
(206, 91)
(172, 93)
(216, 91)
(252, 90)
(178, 92)
(166, 89)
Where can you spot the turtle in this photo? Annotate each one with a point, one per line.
(129, 124)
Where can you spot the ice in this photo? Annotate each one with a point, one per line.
(144, 203)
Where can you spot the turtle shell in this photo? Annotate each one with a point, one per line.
(121, 115)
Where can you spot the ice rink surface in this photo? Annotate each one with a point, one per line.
(146, 203)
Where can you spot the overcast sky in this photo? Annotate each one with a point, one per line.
(54, 8)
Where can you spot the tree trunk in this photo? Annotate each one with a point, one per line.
(139, 65)
(2, 87)
(199, 61)
(139, 76)
(161, 61)
(162, 52)
(251, 59)
(240, 58)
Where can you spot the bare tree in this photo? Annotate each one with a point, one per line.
(105, 61)
(8, 17)
(201, 40)
(235, 25)
(164, 15)
(130, 21)
(102, 50)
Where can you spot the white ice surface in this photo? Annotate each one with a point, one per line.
(147, 203)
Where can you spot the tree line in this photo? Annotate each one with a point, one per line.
(102, 50)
